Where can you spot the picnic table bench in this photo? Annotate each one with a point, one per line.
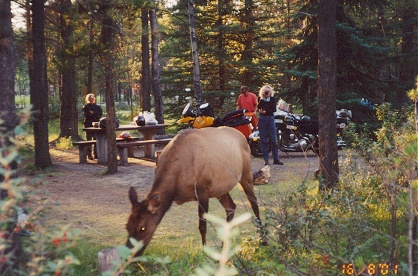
(124, 148)
(148, 132)
(83, 149)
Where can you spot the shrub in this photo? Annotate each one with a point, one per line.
(361, 223)
(64, 143)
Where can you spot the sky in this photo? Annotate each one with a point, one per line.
(18, 19)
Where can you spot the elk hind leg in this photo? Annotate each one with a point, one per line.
(229, 206)
(203, 208)
(247, 186)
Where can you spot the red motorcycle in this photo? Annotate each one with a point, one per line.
(203, 116)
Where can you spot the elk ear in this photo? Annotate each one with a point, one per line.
(153, 203)
(133, 196)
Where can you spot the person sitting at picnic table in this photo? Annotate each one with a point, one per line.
(92, 113)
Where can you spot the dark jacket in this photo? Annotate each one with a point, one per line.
(89, 118)
(269, 107)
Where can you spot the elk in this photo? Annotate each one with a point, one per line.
(196, 165)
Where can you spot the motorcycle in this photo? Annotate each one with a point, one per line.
(297, 133)
(343, 119)
(254, 142)
(203, 116)
(197, 117)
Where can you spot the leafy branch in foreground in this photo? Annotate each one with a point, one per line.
(47, 250)
(123, 259)
(225, 232)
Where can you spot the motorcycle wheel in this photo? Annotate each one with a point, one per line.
(255, 147)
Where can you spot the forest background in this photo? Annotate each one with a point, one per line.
(240, 43)
(139, 53)
(134, 51)
(104, 46)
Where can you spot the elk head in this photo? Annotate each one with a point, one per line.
(143, 220)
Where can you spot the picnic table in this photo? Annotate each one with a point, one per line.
(147, 131)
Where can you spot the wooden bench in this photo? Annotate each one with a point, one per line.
(83, 149)
(123, 147)
(127, 140)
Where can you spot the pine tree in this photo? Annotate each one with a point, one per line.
(362, 62)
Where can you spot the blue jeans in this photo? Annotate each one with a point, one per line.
(267, 130)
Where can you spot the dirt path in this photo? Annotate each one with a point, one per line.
(81, 196)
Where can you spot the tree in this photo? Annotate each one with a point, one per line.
(8, 121)
(195, 57)
(327, 69)
(68, 110)
(39, 85)
(155, 63)
(408, 60)
(7, 72)
(146, 77)
(91, 56)
(248, 25)
(177, 75)
(239, 43)
(108, 30)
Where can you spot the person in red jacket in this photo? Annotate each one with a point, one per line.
(248, 101)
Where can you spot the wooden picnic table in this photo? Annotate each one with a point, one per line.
(147, 131)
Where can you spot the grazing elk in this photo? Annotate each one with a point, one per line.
(196, 165)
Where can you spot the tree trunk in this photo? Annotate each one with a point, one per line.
(91, 60)
(195, 56)
(39, 87)
(108, 40)
(145, 100)
(158, 100)
(7, 71)
(68, 114)
(248, 23)
(221, 51)
(327, 69)
(7, 125)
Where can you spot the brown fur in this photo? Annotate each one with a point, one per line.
(196, 165)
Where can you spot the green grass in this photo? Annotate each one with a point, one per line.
(22, 101)
(178, 236)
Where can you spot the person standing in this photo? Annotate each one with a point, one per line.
(92, 113)
(248, 101)
(267, 128)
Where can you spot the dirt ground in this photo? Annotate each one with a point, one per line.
(82, 196)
